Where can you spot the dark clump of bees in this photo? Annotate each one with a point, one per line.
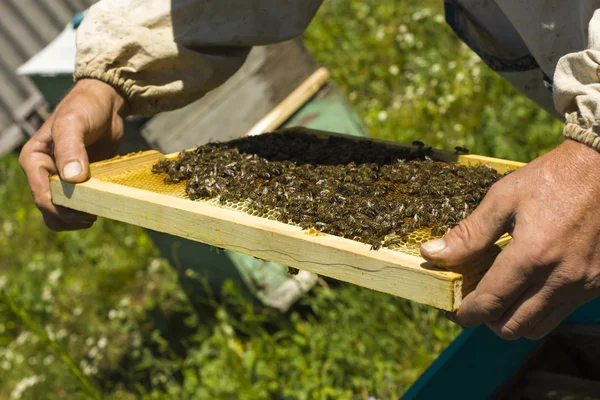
(357, 189)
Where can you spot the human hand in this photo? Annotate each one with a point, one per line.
(552, 265)
(86, 126)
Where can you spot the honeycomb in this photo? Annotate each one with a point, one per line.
(143, 178)
(371, 192)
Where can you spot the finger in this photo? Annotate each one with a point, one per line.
(71, 216)
(58, 225)
(551, 321)
(525, 314)
(498, 290)
(40, 188)
(68, 132)
(480, 230)
(38, 165)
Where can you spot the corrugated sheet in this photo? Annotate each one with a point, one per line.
(26, 26)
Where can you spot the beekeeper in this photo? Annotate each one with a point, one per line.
(140, 57)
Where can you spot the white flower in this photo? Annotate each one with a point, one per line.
(129, 240)
(8, 228)
(102, 342)
(382, 116)
(112, 314)
(46, 293)
(439, 18)
(48, 360)
(50, 332)
(402, 28)
(435, 68)
(89, 341)
(93, 352)
(393, 69)
(35, 266)
(77, 311)
(22, 338)
(154, 265)
(409, 38)
(380, 33)
(23, 385)
(61, 334)
(87, 369)
(419, 15)
(54, 276)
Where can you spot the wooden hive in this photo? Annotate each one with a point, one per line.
(125, 189)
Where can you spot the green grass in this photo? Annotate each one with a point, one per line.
(99, 314)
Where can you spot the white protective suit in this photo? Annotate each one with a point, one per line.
(165, 54)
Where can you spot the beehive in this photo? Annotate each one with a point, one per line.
(126, 189)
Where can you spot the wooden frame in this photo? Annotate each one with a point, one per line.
(385, 270)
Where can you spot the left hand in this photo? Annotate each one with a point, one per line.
(551, 207)
(86, 126)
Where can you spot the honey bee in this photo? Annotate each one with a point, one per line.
(360, 190)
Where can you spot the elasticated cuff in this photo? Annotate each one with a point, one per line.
(583, 131)
(125, 87)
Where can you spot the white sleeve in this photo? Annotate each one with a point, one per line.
(164, 54)
(577, 89)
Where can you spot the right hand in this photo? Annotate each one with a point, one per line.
(86, 126)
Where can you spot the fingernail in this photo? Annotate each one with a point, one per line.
(72, 169)
(435, 246)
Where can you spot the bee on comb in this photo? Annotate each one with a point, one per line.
(362, 190)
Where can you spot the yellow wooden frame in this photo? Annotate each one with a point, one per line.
(385, 270)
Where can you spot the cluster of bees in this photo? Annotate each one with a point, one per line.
(362, 190)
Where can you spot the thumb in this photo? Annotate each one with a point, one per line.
(70, 155)
(475, 234)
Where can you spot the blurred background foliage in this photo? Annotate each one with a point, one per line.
(97, 314)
